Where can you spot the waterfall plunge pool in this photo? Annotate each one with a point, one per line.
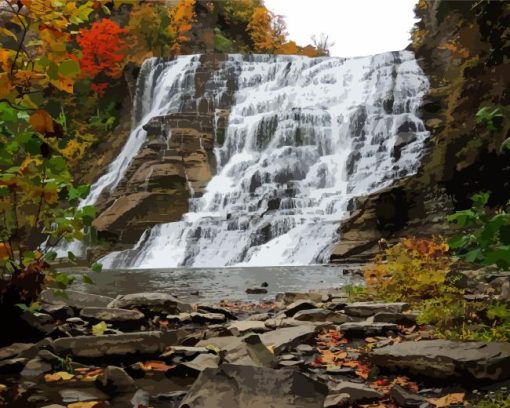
(215, 284)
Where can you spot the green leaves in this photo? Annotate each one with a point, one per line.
(96, 267)
(490, 117)
(487, 241)
(69, 68)
(81, 191)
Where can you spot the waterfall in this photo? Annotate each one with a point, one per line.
(162, 87)
(304, 137)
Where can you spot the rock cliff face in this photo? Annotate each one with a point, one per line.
(463, 48)
(174, 165)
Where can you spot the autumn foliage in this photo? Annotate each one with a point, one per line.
(103, 49)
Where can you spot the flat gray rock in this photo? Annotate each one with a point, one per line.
(321, 315)
(112, 315)
(151, 301)
(365, 309)
(115, 380)
(240, 327)
(254, 387)
(298, 306)
(74, 299)
(357, 392)
(446, 359)
(119, 345)
(287, 338)
(363, 329)
(14, 350)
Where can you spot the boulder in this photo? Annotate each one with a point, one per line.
(363, 329)
(241, 327)
(151, 302)
(254, 387)
(336, 400)
(397, 318)
(74, 299)
(258, 352)
(203, 361)
(298, 306)
(216, 309)
(115, 316)
(72, 395)
(35, 368)
(203, 318)
(481, 361)
(290, 297)
(256, 291)
(14, 350)
(12, 365)
(115, 380)
(321, 315)
(288, 338)
(365, 309)
(405, 398)
(357, 392)
(115, 345)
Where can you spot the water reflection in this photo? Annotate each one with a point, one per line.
(214, 284)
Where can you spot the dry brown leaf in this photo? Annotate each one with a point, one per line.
(88, 404)
(371, 340)
(447, 400)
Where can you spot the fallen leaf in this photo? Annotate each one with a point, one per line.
(371, 340)
(59, 376)
(99, 329)
(156, 366)
(3, 387)
(447, 400)
(88, 404)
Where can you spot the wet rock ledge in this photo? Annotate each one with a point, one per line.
(309, 350)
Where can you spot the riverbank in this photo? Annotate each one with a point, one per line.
(312, 349)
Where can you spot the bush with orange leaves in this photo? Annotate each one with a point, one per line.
(412, 270)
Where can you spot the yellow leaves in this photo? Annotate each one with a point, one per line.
(456, 49)
(448, 400)
(88, 404)
(59, 376)
(64, 84)
(99, 329)
(289, 48)
(42, 122)
(182, 17)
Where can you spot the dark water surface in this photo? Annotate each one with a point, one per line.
(214, 284)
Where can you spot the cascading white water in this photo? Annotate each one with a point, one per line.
(304, 137)
(162, 88)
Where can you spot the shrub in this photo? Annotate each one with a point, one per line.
(412, 270)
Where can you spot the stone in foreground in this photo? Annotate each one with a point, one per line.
(287, 338)
(365, 309)
(151, 302)
(112, 315)
(356, 392)
(118, 345)
(74, 299)
(445, 359)
(363, 329)
(254, 387)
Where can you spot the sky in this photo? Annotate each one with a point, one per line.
(357, 27)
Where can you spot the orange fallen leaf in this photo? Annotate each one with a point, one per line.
(59, 376)
(156, 366)
(447, 400)
(88, 404)
(371, 340)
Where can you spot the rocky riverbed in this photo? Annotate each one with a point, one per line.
(311, 350)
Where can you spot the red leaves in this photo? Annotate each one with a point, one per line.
(99, 88)
(102, 48)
